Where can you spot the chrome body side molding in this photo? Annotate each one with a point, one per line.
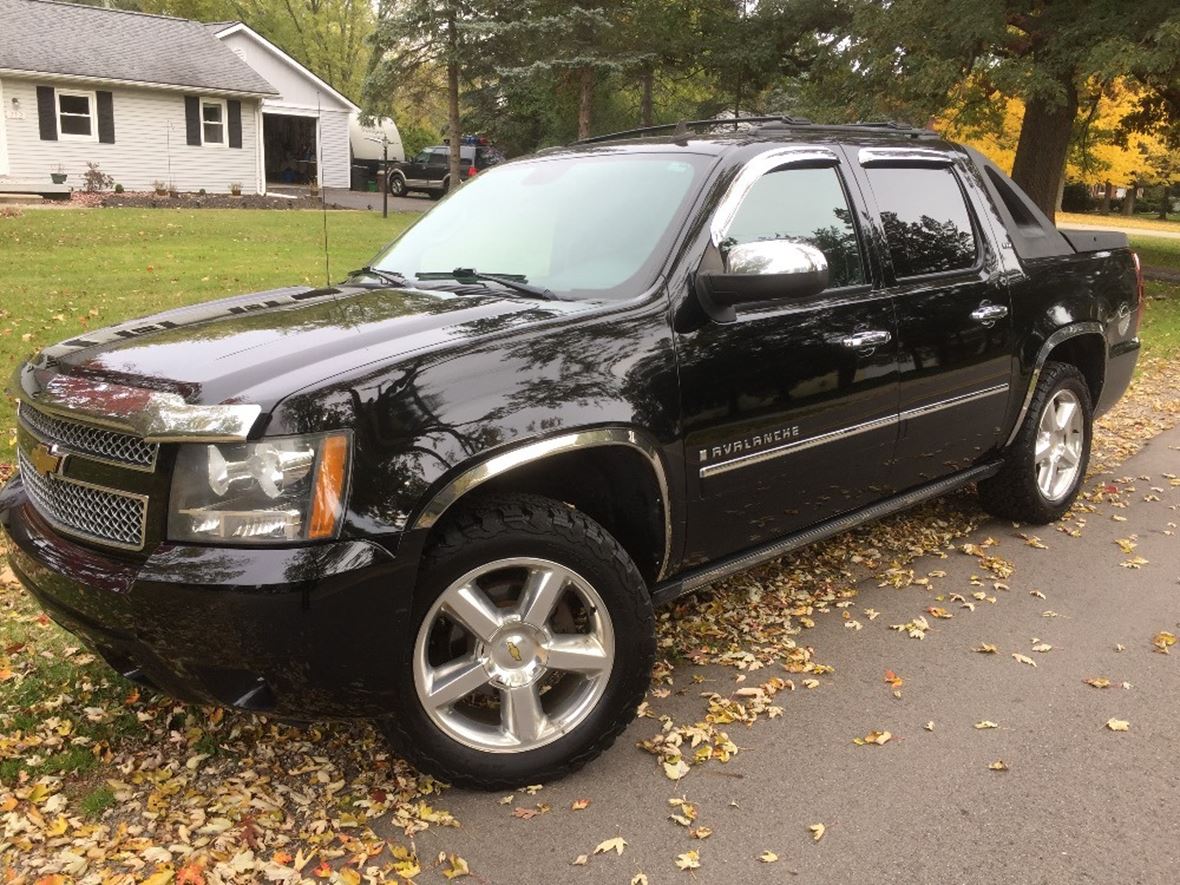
(502, 463)
(845, 432)
(155, 416)
(753, 170)
(1086, 328)
(693, 580)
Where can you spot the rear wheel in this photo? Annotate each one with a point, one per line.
(533, 644)
(1046, 463)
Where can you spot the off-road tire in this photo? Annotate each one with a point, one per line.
(397, 186)
(528, 525)
(1013, 492)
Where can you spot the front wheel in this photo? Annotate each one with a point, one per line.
(533, 644)
(1046, 463)
(397, 186)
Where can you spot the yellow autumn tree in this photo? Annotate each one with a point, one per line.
(1096, 156)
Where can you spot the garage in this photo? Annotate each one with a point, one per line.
(305, 128)
(290, 149)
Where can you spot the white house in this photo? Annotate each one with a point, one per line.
(146, 97)
(305, 125)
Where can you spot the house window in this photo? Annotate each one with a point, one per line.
(213, 117)
(75, 115)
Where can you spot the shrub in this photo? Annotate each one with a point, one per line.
(201, 192)
(95, 180)
(119, 188)
(1076, 198)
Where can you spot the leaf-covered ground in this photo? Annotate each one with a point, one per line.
(102, 783)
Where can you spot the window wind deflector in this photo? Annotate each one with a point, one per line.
(515, 282)
(896, 156)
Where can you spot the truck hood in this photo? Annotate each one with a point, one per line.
(261, 347)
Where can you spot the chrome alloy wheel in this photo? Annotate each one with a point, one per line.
(513, 655)
(1061, 437)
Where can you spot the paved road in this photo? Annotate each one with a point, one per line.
(1112, 223)
(363, 199)
(1079, 803)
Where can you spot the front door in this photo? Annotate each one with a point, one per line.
(790, 409)
(954, 327)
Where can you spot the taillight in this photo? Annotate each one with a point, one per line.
(471, 172)
(1139, 287)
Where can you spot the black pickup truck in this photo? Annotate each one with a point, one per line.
(448, 493)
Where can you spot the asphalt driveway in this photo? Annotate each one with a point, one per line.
(1078, 801)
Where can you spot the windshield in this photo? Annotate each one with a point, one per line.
(589, 226)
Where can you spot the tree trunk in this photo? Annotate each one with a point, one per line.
(1129, 199)
(1039, 167)
(1107, 196)
(454, 126)
(586, 78)
(1163, 212)
(645, 109)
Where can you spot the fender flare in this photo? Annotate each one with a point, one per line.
(503, 462)
(1063, 334)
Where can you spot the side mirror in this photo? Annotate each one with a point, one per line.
(765, 270)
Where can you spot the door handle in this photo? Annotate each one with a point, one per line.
(989, 313)
(859, 340)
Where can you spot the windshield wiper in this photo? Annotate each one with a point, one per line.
(386, 276)
(516, 282)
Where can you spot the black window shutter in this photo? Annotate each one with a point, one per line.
(192, 119)
(234, 109)
(47, 112)
(106, 118)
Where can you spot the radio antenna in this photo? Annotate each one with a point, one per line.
(319, 174)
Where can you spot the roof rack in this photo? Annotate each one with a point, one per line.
(683, 127)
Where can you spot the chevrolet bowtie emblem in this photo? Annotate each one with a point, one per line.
(514, 651)
(45, 459)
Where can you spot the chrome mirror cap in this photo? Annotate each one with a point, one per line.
(764, 257)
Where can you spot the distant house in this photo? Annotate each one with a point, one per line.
(155, 98)
(149, 98)
(305, 125)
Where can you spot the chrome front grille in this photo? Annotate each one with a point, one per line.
(90, 441)
(106, 516)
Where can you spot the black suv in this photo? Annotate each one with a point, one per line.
(429, 170)
(449, 493)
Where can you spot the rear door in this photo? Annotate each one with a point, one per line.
(790, 409)
(437, 165)
(953, 312)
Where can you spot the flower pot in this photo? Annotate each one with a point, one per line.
(58, 177)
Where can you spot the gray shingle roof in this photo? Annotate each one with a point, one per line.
(48, 37)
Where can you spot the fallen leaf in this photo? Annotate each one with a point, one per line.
(700, 833)
(1098, 682)
(1118, 725)
(581, 860)
(690, 860)
(1024, 659)
(639, 879)
(768, 857)
(457, 867)
(929, 726)
(937, 612)
(617, 844)
(999, 765)
(1042, 647)
(676, 769)
(1163, 641)
(986, 648)
(893, 679)
(817, 831)
(880, 738)
(986, 723)
(579, 805)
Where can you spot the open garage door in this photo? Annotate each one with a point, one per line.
(291, 153)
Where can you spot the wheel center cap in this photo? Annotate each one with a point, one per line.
(515, 655)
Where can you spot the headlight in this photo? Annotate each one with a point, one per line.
(270, 492)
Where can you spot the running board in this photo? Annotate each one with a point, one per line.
(664, 593)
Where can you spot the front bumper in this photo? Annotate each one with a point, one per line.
(302, 633)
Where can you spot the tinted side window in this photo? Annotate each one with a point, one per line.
(438, 159)
(926, 221)
(808, 205)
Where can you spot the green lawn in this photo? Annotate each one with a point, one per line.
(1161, 318)
(68, 270)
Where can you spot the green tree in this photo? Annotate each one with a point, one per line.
(918, 57)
